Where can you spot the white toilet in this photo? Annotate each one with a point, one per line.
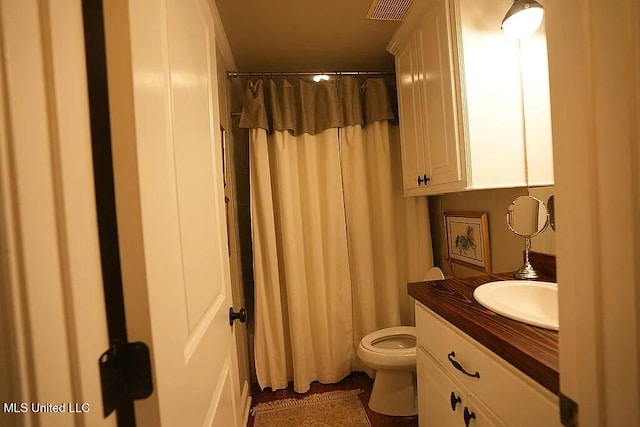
(392, 353)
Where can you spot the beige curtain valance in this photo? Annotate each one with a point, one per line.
(305, 107)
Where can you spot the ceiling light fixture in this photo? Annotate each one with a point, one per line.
(523, 18)
(320, 77)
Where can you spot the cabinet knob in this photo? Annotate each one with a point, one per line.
(454, 401)
(468, 416)
(419, 180)
(425, 179)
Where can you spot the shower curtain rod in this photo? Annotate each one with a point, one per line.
(232, 74)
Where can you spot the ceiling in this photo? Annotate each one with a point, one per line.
(305, 35)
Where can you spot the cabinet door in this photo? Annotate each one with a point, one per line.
(410, 109)
(443, 156)
(438, 393)
(434, 395)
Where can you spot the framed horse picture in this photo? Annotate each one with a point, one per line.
(467, 235)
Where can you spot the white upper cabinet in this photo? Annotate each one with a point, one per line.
(472, 107)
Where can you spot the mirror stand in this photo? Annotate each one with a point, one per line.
(527, 217)
(526, 271)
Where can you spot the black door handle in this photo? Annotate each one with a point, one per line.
(241, 315)
(454, 401)
(459, 367)
(468, 416)
(419, 180)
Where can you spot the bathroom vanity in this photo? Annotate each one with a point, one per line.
(477, 368)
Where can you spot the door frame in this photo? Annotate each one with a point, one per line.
(594, 73)
(51, 280)
(226, 63)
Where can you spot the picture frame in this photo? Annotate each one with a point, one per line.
(467, 236)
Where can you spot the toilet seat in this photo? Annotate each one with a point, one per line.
(377, 357)
(369, 341)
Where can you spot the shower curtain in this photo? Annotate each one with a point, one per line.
(334, 242)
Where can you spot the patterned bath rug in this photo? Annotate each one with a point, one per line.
(330, 409)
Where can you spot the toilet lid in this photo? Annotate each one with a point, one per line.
(396, 340)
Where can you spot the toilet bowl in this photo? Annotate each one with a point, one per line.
(392, 353)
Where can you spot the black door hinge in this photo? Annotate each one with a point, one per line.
(568, 411)
(125, 373)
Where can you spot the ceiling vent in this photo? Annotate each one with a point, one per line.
(389, 10)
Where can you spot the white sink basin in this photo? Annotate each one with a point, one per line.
(534, 303)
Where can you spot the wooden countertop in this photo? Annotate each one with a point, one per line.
(532, 350)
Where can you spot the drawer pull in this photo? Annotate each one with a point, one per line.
(454, 401)
(459, 367)
(468, 416)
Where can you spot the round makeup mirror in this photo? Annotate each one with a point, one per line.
(527, 216)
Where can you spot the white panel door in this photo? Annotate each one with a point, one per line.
(170, 201)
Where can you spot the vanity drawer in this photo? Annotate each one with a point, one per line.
(516, 398)
(437, 394)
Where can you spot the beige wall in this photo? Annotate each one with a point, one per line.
(506, 247)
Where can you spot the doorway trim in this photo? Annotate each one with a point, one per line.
(49, 225)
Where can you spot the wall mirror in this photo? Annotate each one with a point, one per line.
(544, 243)
(527, 217)
(551, 202)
